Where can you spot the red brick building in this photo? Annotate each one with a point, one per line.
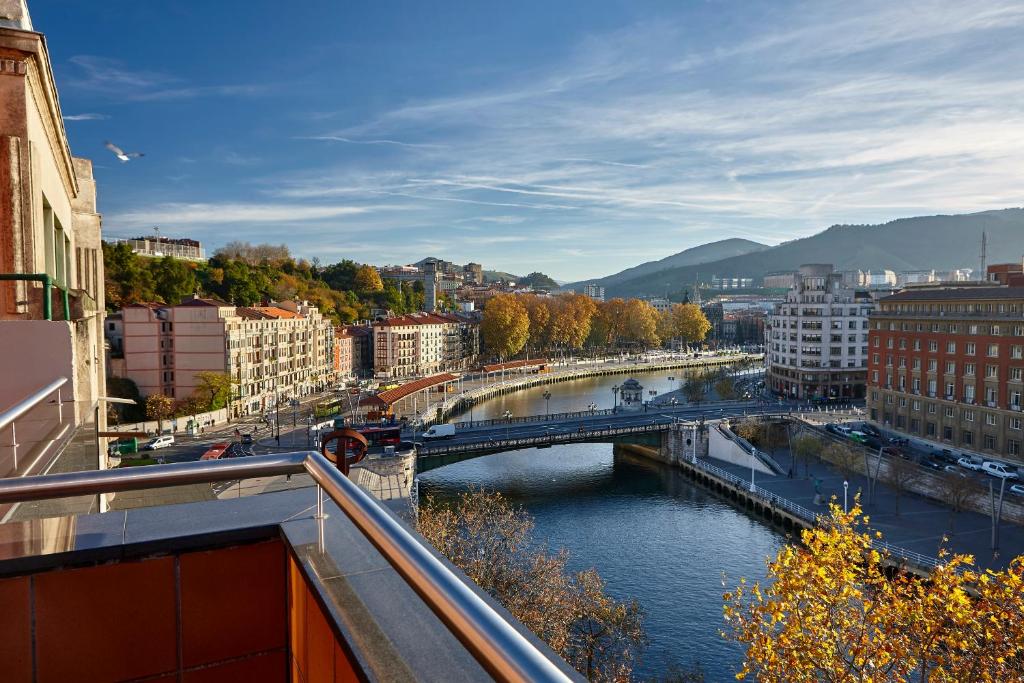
(946, 364)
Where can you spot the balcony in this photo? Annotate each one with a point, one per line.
(317, 582)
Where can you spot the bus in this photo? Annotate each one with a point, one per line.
(216, 451)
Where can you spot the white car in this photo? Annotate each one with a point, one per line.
(159, 442)
(1017, 489)
(998, 469)
(969, 464)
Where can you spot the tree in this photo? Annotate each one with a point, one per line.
(505, 326)
(539, 313)
(159, 408)
(214, 388)
(843, 457)
(367, 280)
(901, 476)
(831, 610)
(538, 281)
(641, 323)
(695, 388)
(490, 540)
(571, 316)
(956, 489)
(173, 279)
(725, 388)
(805, 447)
(689, 323)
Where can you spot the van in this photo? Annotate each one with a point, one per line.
(998, 469)
(445, 431)
(159, 442)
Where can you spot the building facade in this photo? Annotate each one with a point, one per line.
(342, 354)
(473, 273)
(424, 344)
(270, 352)
(595, 292)
(778, 280)
(817, 340)
(947, 365)
(52, 297)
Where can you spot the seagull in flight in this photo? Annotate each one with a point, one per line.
(121, 154)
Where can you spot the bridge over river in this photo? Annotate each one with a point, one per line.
(473, 439)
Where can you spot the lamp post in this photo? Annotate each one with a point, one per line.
(547, 403)
(615, 398)
(101, 459)
(846, 487)
(508, 416)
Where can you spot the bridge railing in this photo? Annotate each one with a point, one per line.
(808, 515)
(514, 442)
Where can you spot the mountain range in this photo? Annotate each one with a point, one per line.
(920, 243)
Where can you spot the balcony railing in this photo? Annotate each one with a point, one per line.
(504, 652)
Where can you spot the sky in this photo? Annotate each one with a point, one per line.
(576, 138)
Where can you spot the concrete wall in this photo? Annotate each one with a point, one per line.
(721, 447)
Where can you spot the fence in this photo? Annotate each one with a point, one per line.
(178, 425)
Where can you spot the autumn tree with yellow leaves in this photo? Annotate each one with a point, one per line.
(685, 322)
(505, 326)
(832, 610)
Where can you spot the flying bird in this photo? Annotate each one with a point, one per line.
(121, 154)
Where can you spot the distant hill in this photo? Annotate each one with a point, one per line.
(495, 275)
(713, 251)
(939, 242)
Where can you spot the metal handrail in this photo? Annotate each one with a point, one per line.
(30, 402)
(504, 652)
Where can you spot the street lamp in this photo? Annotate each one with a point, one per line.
(547, 403)
(508, 416)
(615, 398)
(846, 486)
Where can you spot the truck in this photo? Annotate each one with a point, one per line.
(440, 432)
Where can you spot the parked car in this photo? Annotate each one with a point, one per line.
(969, 464)
(1017, 489)
(859, 437)
(899, 441)
(946, 455)
(998, 469)
(159, 442)
(954, 470)
(832, 428)
(933, 464)
(871, 430)
(892, 450)
(872, 442)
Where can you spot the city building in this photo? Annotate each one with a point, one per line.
(855, 278)
(424, 344)
(158, 247)
(914, 277)
(947, 365)
(1006, 274)
(731, 282)
(955, 275)
(51, 262)
(401, 273)
(342, 353)
(431, 273)
(661, 305)
(473, 273)
(817, 338)
(595, 292)
(271, 352)
(778, 280)
(362, 349)
(881, 279)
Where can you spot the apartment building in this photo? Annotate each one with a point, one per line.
(271, 352)
(342, 353)
(947, 365)
(157, 247)
(817, 338)
(424, 344)
(51, 295)
(595, 292)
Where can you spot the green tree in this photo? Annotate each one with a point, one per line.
(725, 388)
(173, 279)
(214, 389)
(505, 326)
(159, 408)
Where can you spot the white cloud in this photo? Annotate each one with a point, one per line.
(86, 117)
(217, 214)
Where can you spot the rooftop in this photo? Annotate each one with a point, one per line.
(957, 292)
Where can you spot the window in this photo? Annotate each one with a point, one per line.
(967, 438)
(931, 408)
(969, 415)
(989, 442)
(947, 433)
(877, 342)
(1012, 447)
(991, 420)
(929, 428)
(1016, 374)
(933, 345)
(917, 363)
(950, 412)
(950, 390)
(972, 329)
(1015, 423)
(901, 422)
(903, 401)
(875, 358)
(915, 405)
(888, 343)
(916, 385)
(969, 368)
(950, 347)
(874, 376)
(993, 350)
(933, 365)
(970, 348)
(1016, 351)
(969, 393)
(903, 344)
(950, 367)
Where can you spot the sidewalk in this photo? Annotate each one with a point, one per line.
(919, 525)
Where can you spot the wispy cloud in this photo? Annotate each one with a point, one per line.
(86, 117)
(218, 214)
(351, 141)
(112, 78)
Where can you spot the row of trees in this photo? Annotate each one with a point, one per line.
(246, 275)
(213, 392)
(512, 323)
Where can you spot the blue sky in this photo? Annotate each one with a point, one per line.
(576, 138)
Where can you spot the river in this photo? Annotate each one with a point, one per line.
(651, 534)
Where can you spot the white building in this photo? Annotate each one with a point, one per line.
(661, 305)
(881, 279)
(595, 292)
(818, 338)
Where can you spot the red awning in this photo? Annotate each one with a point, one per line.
(393, 396)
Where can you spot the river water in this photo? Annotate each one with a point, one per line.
(651, 534)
